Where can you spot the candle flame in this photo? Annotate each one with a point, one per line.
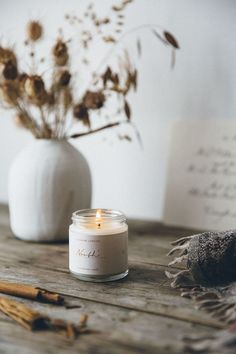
(98, 218)
(98, 214)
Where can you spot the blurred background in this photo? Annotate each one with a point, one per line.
(202, 86)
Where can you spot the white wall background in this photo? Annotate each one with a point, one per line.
(202, 86)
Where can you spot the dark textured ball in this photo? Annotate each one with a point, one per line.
(212, 257)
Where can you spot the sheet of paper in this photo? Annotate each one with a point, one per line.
(201, 181)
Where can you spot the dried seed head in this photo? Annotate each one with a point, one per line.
(81, 113)
(127, 110)
(109, 39)
(9, 71)
(60, 53)
(35, 90)
(107, 75)
(7, 55)
(93, 100)
(64, 78)
(110, 76)
(171, 39)
(131, 80)
(34, 31)
(34, 85)
(21, 79)
(9, 93)
(134, 78)
(115, 79)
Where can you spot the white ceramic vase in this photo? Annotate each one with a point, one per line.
(48, 181)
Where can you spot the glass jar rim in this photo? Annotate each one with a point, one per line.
(89, 215)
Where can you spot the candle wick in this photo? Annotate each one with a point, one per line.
(99, 225)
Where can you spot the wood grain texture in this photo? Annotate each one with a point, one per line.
(140, 314)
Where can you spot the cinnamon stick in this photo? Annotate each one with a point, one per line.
(30, 292)
(34, 320)
(27, 317)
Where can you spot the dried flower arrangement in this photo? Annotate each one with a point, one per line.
(49, 110)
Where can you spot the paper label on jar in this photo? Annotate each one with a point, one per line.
(98, 254)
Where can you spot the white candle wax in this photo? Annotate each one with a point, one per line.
(98, 248)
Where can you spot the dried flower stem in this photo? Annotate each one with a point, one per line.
(32, 55)
(93, 131)
(118, 41)
(29, 122)
(63, 122)
(46, 129)
(58, 115)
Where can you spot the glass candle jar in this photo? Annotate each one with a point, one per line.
(98, 245)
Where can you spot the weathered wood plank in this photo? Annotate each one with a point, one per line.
(146, 289)
(149, 246)
(145, 249)
(13, 339)
(140, 314)
(144, 332)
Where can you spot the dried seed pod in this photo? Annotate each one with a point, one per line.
(34, 85)
(127, 110)
(102, 21)
(117, 8)
(81, 113)
(21, 79)
(34, 30)
(107, 76)
(93, 100)
(9, 93)
(133, 78)
(115, 79)
(7, 55)
(171, 39)
(64, 78)
(110, 76)
(109, 39)
(9, 71)
(60, 53)
(35, 90)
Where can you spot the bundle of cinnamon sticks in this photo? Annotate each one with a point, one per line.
(32, 319)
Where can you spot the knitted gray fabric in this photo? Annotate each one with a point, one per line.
(212, 257)
(210, 271)
(219, 342)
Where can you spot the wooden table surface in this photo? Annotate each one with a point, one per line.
(140, 314)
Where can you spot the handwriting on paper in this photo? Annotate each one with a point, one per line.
(205, 182)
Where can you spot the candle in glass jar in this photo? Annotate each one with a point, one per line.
(98, 245)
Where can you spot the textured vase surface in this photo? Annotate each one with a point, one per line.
(48, 181)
